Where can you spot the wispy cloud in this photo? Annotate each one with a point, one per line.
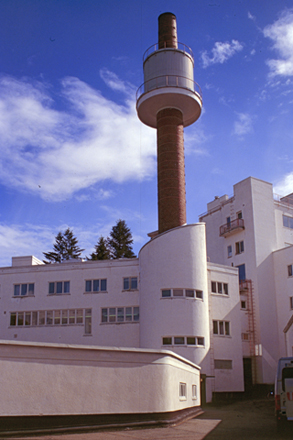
(281, 33)
(57, 153)
(243, 125)
(251, 17)
(285, 185)
(221, 52)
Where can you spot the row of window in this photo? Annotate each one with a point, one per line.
(53, 318)
(183, 340)
(120, 314)
(239, 248)
(188, 293)
(221, 328)
(220, 288)
(183, 391)
(63, 287)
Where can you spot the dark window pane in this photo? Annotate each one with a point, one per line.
(120, 314)
(23, 289)
(88, 322)
(135, 313)
(200, 341)
(166, 293)
(20, 318)
(179, 340)
(227, 328)
(27, 318)
(189, 293)
(31, 289)
(16, 289)
(215, 327)
(226, 289)
(66, 286)
(167, 341)
(126, 283)
(128, 314)
(96, 285)
(199, 294)
(88, 286)
(214, 287)
(190, 340)
(177, 292)
(59, 287)
(13, 319)
(103, 285)
(51, 288)
(104, 315)
(134, 283)
(220, 288)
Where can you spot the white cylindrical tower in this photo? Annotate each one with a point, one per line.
(174, 306)
(169, 100)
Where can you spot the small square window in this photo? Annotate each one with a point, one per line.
(167, 341)
(200, 341)
(189, 293)
(166, 293)
(177, 292)
(190, 340)
(199, 294)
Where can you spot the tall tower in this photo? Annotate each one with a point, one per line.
(169, 100)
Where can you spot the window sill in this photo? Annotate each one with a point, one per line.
(222, 295)
(119, 323)
(58, 294)
(130, 290)
(95, 293)
(23, 296)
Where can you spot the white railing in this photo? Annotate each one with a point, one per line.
(155, 47)
(169, 81)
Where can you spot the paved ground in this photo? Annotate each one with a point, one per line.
(245, 420)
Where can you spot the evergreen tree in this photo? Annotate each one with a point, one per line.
(101, 250)
(65, 248)
(120, 241)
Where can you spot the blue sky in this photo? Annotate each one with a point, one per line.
(73, 152)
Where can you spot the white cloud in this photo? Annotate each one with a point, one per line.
(243, 125)
(284, 186)
(56, 153)
(281, 33)
(251, 17)
(221, 52)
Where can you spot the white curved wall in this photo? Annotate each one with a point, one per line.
(175, 259)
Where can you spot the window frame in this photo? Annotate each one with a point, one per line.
(24, 290)
(58, 288)
(131, 282)
(221, 328)
(290, 270)
(97, 285)
(182, 293)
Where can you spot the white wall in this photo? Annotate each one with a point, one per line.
(51, 379)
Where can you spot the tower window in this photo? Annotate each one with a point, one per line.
(239, 247)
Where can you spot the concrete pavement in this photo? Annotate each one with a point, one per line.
(194, 429)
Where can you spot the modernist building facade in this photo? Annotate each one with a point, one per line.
(161, 300)
(253, 231)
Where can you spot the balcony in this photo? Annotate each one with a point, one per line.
(232, 227)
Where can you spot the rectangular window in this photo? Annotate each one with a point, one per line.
(245, 336)
(199, 294)
(189, 293)
(72, 316)
(243, 305)
(290, 270)
(13, 319)
(214, 287)
(194, 392)
(179, 340)
(135, 313)
(20, 318)
(220, 288)
(239, 214)
(42, 318)
(221, 328)
(167, 341)
(128, 313)
(223, 364)
(88, 322)
(200, 341)
(229, 250)
(79, 316)
(49, 317)
(57, 317)
(239, 247)
(182, 390)
(291, 302)
(130, 283)
(104, 315)
(64, 317)
(112, 314)
(177, 292)
(120, 314)
(59, 287)
(27, 318)
(95, 286)
(287, 221)
(34, 318)
(226, 291)
(166, 293)
(24, 289)
(242, 274)
(190, 340)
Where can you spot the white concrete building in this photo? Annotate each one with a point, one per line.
(161, 300)
(253, 231)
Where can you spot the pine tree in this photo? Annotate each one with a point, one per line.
(65, 248)
(120, 241)
(101, 250)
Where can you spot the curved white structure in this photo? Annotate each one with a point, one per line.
(176, 261)
(168, 82)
